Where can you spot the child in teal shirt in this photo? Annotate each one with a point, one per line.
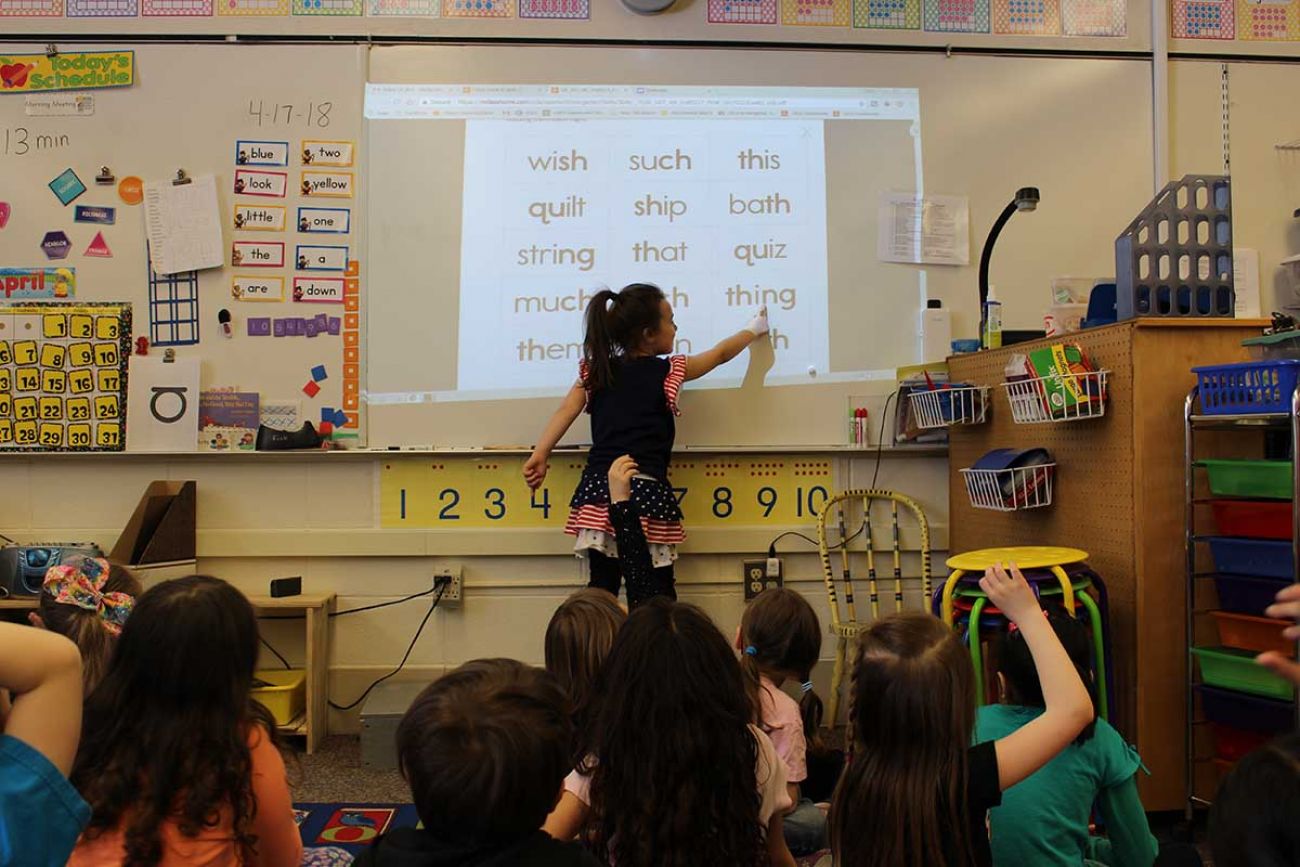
(1043, 820)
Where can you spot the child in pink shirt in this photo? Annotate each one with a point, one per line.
(780, 639)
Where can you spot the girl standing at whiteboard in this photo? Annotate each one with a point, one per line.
(631, 392)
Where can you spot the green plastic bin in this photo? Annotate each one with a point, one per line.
(1228, 668)
(1267, 479)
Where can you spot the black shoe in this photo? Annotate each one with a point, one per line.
(271, 440)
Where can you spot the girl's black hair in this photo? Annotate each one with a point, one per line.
(785, 637)
(616, 324)
(1253, 820)
(1016, 664)
(168, 727)
(673, 759)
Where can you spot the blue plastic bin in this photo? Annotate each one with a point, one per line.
(1242, 594)
(1247, 388)
(1257, 557)
(1243, 711)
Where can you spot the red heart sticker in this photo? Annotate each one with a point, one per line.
(15, 74)
(4, 214)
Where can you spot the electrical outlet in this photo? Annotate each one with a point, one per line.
(451, 597)
(758, 576)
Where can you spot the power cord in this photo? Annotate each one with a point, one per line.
(441, 585)
(880, 440)
(333, 614)
(277, 653)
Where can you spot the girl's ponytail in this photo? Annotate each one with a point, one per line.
(782, 637)
(598, 345)
(810, 712)
(751, 674)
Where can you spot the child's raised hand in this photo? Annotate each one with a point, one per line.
(758, 325)
(1287, 607)
(1011, 593)
(535, 470)
(620, 479)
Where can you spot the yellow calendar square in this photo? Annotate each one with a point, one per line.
(51, 408)
(106, 406)
(25, 352)
(108, 435)
(25, 408)
(54, 325)
(51, 435)
(6, 431)
(25, 433)
(81, 381)
(81, 326)
(106, 354)
(78, 408)
(6, 353)
(79, 354)
(52, 355)
(28, 379)
(79, 435)
(109, 380)
(6, 406)
(108, 328)
(6, 379)
(54, 381)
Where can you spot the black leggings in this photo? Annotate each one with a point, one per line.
(606, 573)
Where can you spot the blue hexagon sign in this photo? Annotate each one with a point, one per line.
(56, 245)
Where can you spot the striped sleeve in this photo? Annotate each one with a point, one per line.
(583, 370)
(673, 381)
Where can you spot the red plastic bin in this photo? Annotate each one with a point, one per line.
(1252, 519)
(1246, 632)
(1232, 744)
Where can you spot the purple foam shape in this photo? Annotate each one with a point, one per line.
(335, 325)
(281, 327)
(259, 326)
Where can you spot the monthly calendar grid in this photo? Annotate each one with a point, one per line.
(1266, 20)
(1094, 17)
(887, 14)
(31, 8)
(957, 16)
(573, 10)
(478, 8)
(1027, 17)
(742, 11)
(1204, 19)
(816, 13)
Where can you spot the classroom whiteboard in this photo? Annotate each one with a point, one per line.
(1071, 127)
(188, 108)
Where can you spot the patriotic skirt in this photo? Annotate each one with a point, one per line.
(661, 517)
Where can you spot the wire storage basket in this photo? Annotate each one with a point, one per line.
(1011, 489)
(946, 407)
(1057, 398)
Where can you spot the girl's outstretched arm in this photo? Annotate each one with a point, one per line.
(42, 671)
(557, 427)
(698, 365)
(1069, 708)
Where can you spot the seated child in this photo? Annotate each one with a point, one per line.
(1044, 819)
(41, 814)
(578, 638)
(485, 749)
(87, 600)
(1255, 819)
(181, 765)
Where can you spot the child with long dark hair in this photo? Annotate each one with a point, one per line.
(180, 765)
(87, 600)
(676, 773)
(1044, 820)
(631, 393)
(916, 793)
(1253, 822)
(578, 640)
(780, 639)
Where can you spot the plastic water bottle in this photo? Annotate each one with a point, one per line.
(992, 336)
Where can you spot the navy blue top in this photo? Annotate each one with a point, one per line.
(635, 415)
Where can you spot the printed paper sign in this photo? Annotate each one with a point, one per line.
(38, 282)
(261, 153)
(76, 70)
(259, 218)
(94, 214)
(327, 184)
(249, 182)
(163, 404)
(326, 153)
(321, 290)
(337, 221)
(59, 104)
(321, 258)
(245, 288)
(257, 254)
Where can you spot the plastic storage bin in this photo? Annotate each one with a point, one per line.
(285, 694)
(1256, 634)
(1238, 478)
(1247, 388)
(1237, 670)
(1272, 347)
(1245, 594)
(1257, 557)
(1251, 519)
(1241, 711)
(1232, 744)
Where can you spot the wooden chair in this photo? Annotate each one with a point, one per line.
(845, 625)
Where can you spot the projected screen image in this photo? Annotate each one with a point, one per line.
(728, 198)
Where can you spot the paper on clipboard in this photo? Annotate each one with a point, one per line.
(923, 230)
(183, 222)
